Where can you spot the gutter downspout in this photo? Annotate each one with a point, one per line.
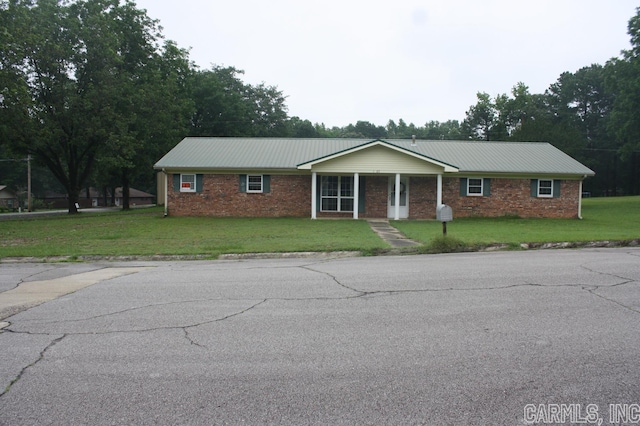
(580, 197)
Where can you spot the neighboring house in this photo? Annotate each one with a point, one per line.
(95, 198)
(136, 197)
(358, 178)
(8, 198)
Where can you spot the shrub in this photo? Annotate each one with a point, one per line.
(445, 244)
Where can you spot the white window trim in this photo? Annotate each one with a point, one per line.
(545, 195)
(339, 197)
(261, 183)
(481, 193)
(192, 187)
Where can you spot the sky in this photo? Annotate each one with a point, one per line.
(338, 62)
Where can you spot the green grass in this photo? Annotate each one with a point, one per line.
(603, 219)
(145, 232)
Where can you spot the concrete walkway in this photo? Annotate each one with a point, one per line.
(390, 234)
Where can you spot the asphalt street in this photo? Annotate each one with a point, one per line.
(500, 338)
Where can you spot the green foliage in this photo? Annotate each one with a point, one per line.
(146, 232)
(87, 88)
(445, 244)
(482, 119)
(226, 106)
(610, 218)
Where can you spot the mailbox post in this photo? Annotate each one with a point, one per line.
(444, 214)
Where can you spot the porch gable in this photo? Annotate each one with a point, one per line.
(378, 157)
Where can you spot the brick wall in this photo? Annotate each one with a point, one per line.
(512, 197)
(290, 195)
(221, 196)
(423, 193)
(376, 191)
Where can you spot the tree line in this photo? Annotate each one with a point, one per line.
(95, 94)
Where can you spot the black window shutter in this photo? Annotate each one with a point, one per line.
(556, 188)
(486, 187)
(534, 187)
(463, 186)
(243, 183)
(318, 193)
(176, 182)
(198, 183)
(361, 195)
(266, 183)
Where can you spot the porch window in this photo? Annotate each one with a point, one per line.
(336, 193)
(187, 183)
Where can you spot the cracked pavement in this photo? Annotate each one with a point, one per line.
(465, 338)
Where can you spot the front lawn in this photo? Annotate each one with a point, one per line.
(145, 232)
(603, 219)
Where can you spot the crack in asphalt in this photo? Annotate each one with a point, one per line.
(601, 296)
(174, 327)
(193, 342)
(334, 278)
(625, 281)
(25, 368)
(22, 280)
(590, 289)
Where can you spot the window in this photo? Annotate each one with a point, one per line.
(254, 183)
(545, 188)
(187, 183)
(257, 184)
(336, 193)
(474, 187)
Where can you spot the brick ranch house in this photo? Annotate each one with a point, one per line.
(357, 178)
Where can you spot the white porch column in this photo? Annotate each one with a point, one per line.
(396, 214)
(314, 191)
(356, 194)
(439, 197)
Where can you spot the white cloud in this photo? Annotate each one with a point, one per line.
(343, 61)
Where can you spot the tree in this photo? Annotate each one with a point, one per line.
(226, 106)
(156, 115)
(623, 81)
(435, 130)
(481, 121)
(74, 79)
(302, 128)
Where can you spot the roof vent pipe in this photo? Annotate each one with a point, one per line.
(413, 140)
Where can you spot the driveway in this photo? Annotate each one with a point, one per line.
(502, 338)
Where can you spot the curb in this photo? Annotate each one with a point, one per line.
(321, 255)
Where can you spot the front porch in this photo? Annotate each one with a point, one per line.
(339, 182)
(376, 195)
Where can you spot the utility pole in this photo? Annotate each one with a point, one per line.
(29, 182)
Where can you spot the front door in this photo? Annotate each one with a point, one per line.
(404, 198)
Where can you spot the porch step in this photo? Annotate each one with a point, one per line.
(390, 234)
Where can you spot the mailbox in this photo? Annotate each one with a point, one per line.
(444, 213)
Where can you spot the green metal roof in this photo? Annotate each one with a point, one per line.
(283, 153)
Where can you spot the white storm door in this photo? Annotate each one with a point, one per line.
(404, 198)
